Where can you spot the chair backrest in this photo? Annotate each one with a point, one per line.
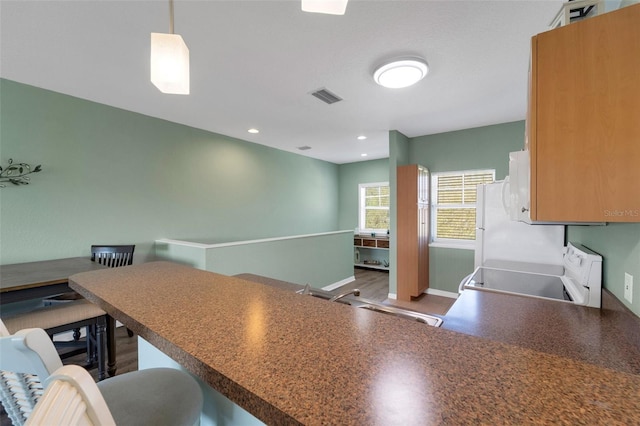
(28, 357)
(71, 398)
(113, 256)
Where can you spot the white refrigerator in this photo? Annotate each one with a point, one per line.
(505, 243)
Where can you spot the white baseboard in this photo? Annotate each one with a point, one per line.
(339, 284)
(436, 292)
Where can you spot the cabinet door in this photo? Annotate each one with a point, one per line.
(412, 230)
(407, 231)
(423, 250)
(584, 129)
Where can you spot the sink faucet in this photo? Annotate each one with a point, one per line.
(355, 292)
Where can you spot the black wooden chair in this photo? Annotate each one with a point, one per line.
(113, 257)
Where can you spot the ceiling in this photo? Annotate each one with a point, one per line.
(254, 64)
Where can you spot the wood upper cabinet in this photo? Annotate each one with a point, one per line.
(583, 121)
(413, 231)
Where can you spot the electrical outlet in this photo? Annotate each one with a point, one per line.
(628, 287)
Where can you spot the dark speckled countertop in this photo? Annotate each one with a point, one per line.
(609, 337)
(290, 359)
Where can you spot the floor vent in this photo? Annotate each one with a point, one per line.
(304, 148)
(326, 96)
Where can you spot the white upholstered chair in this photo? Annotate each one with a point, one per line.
(155, 396)
(27, 356)
(71, 398)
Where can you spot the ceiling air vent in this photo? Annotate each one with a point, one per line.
(304, 148)
(326, 96)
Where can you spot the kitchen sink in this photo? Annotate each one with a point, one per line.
(321, 294)
(370, 305)
(401, 313)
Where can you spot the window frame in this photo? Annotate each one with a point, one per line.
(362, 207)
(434, 206)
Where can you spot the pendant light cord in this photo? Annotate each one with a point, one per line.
(171, 16)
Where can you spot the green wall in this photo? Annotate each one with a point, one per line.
(350, 176)
(479, 148)
(112, 176)
(319, 260)
(448, 266)
(619, 245)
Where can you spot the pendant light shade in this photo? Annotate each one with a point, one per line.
(331, 7)
(169, 63)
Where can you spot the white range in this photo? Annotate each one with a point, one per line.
(530, 260)
(580, 282)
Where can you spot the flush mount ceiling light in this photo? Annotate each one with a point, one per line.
(331, 7)
(401, 72)
(253, 131)
(361, 137)
(170, 61)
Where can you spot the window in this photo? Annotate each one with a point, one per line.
(374, 207)
(454, 205)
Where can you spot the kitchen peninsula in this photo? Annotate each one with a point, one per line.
(293, 359)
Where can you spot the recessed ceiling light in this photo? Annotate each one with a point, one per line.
(254, 131)
(402, 72)
(361, 137)
(363, 155)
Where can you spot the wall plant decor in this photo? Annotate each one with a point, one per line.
(16, 173)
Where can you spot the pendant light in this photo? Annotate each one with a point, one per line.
(170, 61)
(331, 7)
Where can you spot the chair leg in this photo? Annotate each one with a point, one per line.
(101, 344)
(91, 348)
(111, 346)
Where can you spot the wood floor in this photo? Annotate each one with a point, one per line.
(373, 285)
